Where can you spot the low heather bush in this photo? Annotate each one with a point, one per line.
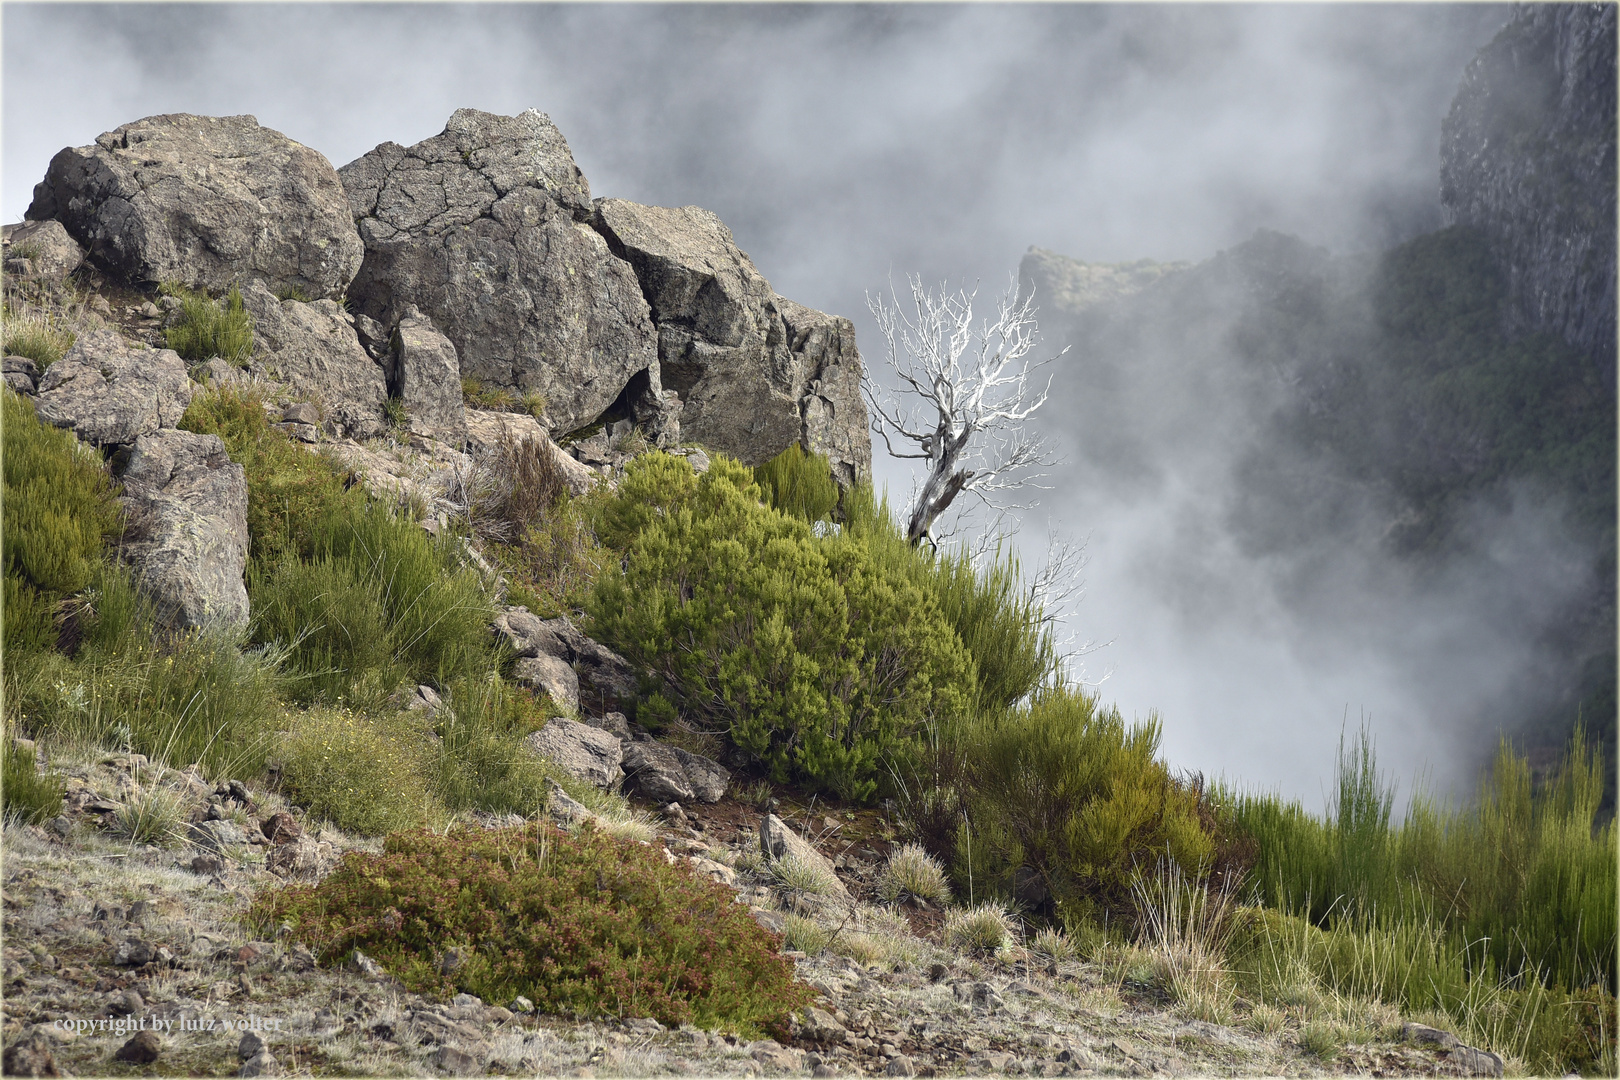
(799, 484)
(365, 774)
(587, 925)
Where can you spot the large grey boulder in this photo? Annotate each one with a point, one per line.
(46, 245)
(755, 372)
(186, 532)
(425, 375)
(588, 753)
(668, 774)
(111, 392)
(483, 229)
(313, 349)
(207, 201)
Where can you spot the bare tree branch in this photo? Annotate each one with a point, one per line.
(974, 387)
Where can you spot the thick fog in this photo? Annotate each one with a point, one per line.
(845, 145)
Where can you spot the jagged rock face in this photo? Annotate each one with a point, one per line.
(1528, 157)
(111, 393)
(315, 351)
(482, 228)
(756, 372)
(187, 534)
(206, 201)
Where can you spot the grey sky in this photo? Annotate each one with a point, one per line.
(843, 144)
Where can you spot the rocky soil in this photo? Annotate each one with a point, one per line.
(104, 938)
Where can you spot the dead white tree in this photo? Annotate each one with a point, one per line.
(964, 394)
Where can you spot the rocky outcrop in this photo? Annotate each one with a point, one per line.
(206, 201)
(1528, 158)
(425, 375)
(313, 349)
(186, 532)
(483, 229)
(667, 774)
(777, 841)
(607, 681)
(111, 392)
(488, 432)
(46, 246)
(551, 676)
(583, 751)
(756, 373)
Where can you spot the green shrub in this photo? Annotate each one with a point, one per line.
(366, 774)
(378, 601)
(35, 335)
(799, 484)
(289, 488)
(1063, 789)
(912, 872)
(483, 763)
(820, 663)
(151, 815)
(60, 510)
(190, 698)
(28, 795)
(586, 925)
(207, 328)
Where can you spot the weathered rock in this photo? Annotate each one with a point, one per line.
(215, 836)
(831, 410)
(486, 432)
(551, 675)
(1424, 1035)
(425, 699)
(21, 374)
(110, 392)
(772, 1054)
(1470, 1061)
(206, 201)
(249, 1046)
(589, 753)
(900, 1065)
(143, 1049)
(313, 348)
(820, 1026)
(32, 1055)
(261, 1064)
(565, 808)
(426, 376)
(52, 253)
(668, 773)
(482, 229)
(280, 829)
(528, 634)
(303, 857)
(186, 529)
(450, 1061)
(777, 841)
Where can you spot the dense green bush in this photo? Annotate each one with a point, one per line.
(60, 510)
(799, 484)
(1526, 872)
(378, 601)
(28, 795)
(482, 762)
(365, 773)
(587, 925)
(289, 488)
(819, 661)
(1062, 791)
(209, 328)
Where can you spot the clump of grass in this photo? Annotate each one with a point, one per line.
(365, 774)
(585, 924)
(151, 815)
(805, 934)
(1265, 1019)
(513, 491)
(292, 292)
(1053, 944)
(474, 393)
(35, 335)
(397, 413)
(1320, 1039)
(756, 793)
(983, 928)
(912, 872)
(28, 795)
(208, 328)
(481, 761)
(803, 876)
(534, 403)
(800, 484)
(1188, 927)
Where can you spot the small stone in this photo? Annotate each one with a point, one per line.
(281, 828)
(448, 1060)
(521, 1004)
(260, 1064)
(128, 1003)
(250, 1046)
(100, 306)
(61, 825)
(139, 910)
(936, 972)
(823, 1070)
(150, 310)
(451, 962)
(207, 864)
(1424, 1035)
(900, 1066)
(301, 412)
(1474, 1062)
(143, 1049)
(31, 1056)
